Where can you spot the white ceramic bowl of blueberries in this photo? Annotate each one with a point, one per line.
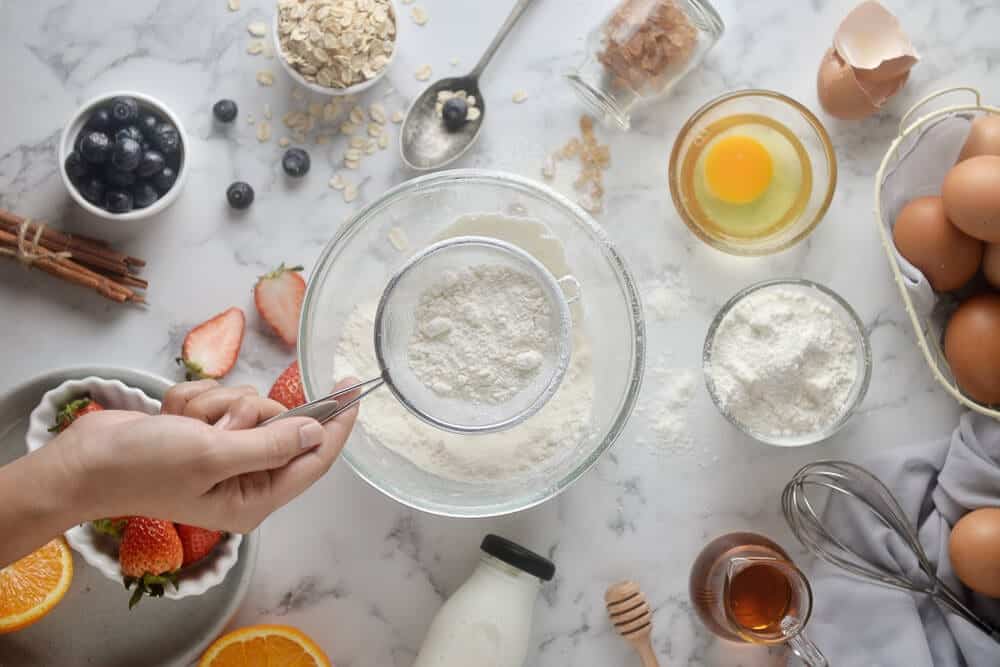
(123, 156)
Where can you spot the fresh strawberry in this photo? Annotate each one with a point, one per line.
(211, 348)
(72, 411)
(279, 296)
(112, 527)
(287, 389)
(197, 542)
(150, 554)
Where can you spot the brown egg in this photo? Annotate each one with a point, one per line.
(972, 347)
(844, 96)
(971, 193)
(983, 139)
(947, 256)
(991, 264)
(974, 550)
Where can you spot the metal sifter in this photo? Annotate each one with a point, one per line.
(395, 324)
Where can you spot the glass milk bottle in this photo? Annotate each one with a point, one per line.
(487, 622)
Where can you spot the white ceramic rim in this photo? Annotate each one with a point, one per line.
(75, 125)
(861, 383)
(323, 90)
(82, 538)
(889, 246)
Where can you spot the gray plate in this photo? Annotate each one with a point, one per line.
(93, 625)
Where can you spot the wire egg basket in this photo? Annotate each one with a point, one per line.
(915, 165)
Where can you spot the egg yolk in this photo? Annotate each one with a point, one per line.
(738, 169)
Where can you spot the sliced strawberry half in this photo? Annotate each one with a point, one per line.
(196, 542)
(210, 349)
(279, 296)
(287, 389)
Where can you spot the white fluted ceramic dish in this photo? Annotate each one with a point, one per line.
(93, 625)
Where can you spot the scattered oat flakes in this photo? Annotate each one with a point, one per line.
(348, 128)
(350, 193)
(255, 47)
(234, 5)
(358, 142)
(330, 112)
(263, 131)
(519, 96)
(407, 2)
(473, 113)
(337, 182)
(383, 140)
(377, 113)
(454, 62)
(267, 111)
(371, 148)
(423, 73)
(397, 237)
(265, 78)
(353, 155)
(351, 164)
(374, 129)
(284, 142)
(315, 109)
(357, 116)
(257, 29)
(397, 116)
(419, 15)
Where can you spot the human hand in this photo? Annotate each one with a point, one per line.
(179, 466)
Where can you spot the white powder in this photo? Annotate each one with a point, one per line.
(666, 298)
(481, 334)
(544, 440)
(784, 363)
(665, 401)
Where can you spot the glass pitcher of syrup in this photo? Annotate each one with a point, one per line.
(746, 589)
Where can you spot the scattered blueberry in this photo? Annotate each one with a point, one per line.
(296, 162)
(76, 168)
(147, 123)
(164, 180)
(100, 120)
(240, 195)
(95, 147)
(124, 110)
(129, 132)
(152, 162)
(119, 178)
(92, 189)
(118, 201)
(454, 112)
(126, 154)
(166, 138)
(144, 195)
(225, 111)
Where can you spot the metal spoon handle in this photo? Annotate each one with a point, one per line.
(491, 50)
(326, 408)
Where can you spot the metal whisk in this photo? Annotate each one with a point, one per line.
(845, 480)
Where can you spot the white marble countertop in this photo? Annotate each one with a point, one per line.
(366, 583)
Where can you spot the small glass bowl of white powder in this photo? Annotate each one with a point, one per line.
(787, 362)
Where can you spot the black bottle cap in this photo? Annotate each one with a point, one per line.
(517, 556)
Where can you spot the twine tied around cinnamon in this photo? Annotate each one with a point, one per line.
(29, 251)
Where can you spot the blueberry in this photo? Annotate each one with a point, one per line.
(144, 194)
(118, 201)
(454, 112)
(147, 123)
(92, 189)
(100, 120)
(124, 110)
(164, 180)
(166, 138)
(296, 162)
(225, 111)
(129, 132)
(152, 162)
(76, 168)
(240, 195)
(126, 154)
(119, 178)
(95, 147)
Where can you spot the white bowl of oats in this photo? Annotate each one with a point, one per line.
(335, 47)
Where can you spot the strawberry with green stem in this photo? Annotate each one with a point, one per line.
(150, 555)
(72, 411)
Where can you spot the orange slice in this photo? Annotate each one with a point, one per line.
(264, 646)
(34, 585)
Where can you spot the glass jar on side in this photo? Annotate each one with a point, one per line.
(640, 51)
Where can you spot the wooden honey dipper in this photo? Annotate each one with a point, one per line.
(633, 619)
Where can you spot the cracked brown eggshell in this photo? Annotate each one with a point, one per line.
(844, 96)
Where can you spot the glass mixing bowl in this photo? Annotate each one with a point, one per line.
(357, 263)
(803, 124)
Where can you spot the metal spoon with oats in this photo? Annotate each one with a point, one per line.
(424, 143)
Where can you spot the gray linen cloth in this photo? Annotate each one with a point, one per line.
(858, 623)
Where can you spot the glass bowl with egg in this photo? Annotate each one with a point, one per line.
(490, 474)
(752, 172)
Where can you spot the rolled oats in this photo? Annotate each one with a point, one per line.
(472, 112)
(419, 15)
(423, 73)
(357, 116)
(255, 47)
(234, 5)
(337, 43)
(383, 140)
(397, 237)
(348, 128)
(519, 96)
(397, 117)
(257, 29)
(284, 142)
(377, 113)
(454, 62)
(267, 111)
(337, 182)
(265, 78)
(374, 129)
(350, 193)
(263, 131)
